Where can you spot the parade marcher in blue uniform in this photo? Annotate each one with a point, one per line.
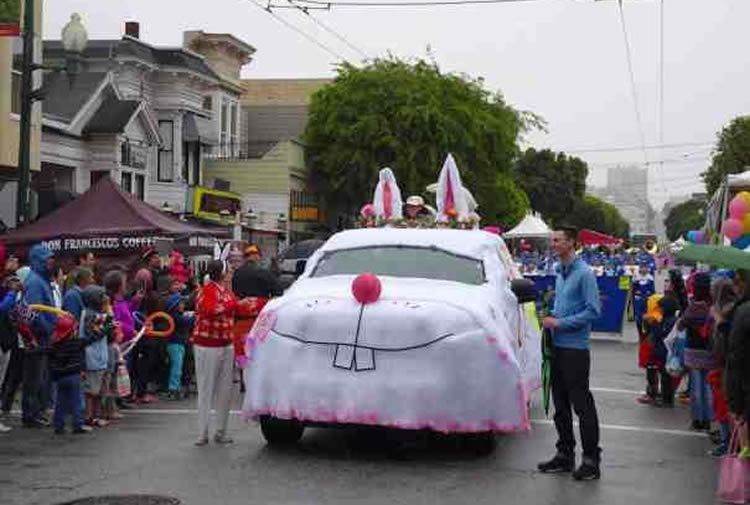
(643, 287)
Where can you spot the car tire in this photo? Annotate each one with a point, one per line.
(281, 432)
(481, 444)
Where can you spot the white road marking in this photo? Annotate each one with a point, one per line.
(641, 429)
(619, 391)
(541, 422)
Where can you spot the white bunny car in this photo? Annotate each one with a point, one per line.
(432, 337)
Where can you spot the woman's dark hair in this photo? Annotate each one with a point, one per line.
(702, 288)
(114, 281)
(678, 289)
(668, 305)
(215, 270)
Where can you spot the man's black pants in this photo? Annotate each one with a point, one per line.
(570, 386)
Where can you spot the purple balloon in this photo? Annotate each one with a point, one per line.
(699, 237)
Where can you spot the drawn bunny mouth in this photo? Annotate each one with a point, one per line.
(358, 356)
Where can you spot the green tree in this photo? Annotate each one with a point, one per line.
(554, 182)
(512, 203)
(684, 217)
(409, 117)
(594, 214)
(731, 155)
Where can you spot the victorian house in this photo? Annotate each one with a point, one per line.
(143, 115)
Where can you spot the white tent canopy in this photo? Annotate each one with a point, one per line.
(531, 226)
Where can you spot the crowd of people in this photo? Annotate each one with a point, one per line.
(91, 343)
(603, 261)
(693, 336)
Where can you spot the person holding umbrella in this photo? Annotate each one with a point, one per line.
(576, 307)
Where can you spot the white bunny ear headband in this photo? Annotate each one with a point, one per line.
(387, 199)
(222, 254)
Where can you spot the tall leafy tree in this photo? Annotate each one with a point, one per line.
(409, 117)
(684, 217)
(554, 182)
(731, 155)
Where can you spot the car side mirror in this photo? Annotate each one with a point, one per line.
(299, 267)
(524, 289)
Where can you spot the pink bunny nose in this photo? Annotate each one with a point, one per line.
(366, 288)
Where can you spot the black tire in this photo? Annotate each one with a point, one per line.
(281, 432)
(481, 444)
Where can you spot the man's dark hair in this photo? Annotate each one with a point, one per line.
(113, 282)
(570, 232)
(215, 270)
(81, 274)
(83, 255)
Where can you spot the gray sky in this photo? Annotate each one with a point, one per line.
(563, 59)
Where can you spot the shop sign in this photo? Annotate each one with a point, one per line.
(102, 243)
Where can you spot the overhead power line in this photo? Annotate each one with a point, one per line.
(633, 89)
(636, 148)
(330, 30)
(299, 31)
(408, 3)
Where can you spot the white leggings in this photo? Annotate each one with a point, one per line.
(213, 367)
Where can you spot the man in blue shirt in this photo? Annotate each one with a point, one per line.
(576, 307)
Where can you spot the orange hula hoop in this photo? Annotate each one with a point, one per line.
(163, 316)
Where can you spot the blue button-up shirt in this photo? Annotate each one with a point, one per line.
(576, 305)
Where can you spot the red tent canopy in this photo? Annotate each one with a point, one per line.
(104, 218)
(590, 237)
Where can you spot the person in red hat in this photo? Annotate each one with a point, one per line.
(66, 364)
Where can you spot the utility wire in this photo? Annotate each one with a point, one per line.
(661, 81)
(300, 32)
(330, 30)
(427, 3)
(636, 148)
(633, 89)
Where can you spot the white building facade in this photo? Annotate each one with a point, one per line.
(143, 115)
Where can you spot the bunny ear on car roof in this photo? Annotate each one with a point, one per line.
(387, 199)
(452, 201)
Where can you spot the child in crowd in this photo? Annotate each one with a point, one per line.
(658, 323)
(95, 324)
(110, 392)
(66, 364)
(183, 322)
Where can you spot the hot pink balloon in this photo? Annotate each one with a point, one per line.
(732, 229)
(738, 207)
(366, 288)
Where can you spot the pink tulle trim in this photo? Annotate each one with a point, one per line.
(373, 419)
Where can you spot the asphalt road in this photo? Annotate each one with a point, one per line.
(649, 457)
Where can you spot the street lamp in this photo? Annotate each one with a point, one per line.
(74, 40)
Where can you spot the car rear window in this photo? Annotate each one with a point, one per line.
(402, 261)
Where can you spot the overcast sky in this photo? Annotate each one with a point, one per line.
(562, 59)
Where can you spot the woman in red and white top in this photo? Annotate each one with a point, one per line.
(212, 344)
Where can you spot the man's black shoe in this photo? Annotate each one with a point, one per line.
(34, 423)
(587, 471)
(557, 464)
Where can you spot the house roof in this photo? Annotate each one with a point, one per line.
(65, 97)
(125, 215)
(112, 116)
(129, 47)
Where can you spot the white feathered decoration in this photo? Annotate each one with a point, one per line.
(452, 201)
(387, 200)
